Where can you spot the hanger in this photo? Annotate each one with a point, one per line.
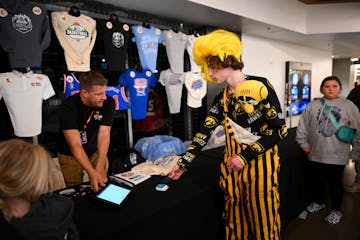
(175, 28)
(146, 23)
(113, 17)
(138, 67)
(22, 69)
(74, 11)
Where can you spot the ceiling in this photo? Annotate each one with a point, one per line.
(326, 1)
(341, 45)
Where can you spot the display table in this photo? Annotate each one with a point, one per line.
(190, 209)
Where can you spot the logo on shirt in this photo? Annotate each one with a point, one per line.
(98, 116)
(118, 39)
(22, 23)
(77, 32)
(35, 84)
(197, 84)
(140, 84)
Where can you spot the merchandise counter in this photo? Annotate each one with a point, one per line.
(191, 208)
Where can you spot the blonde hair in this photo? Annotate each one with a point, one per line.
(25, 171)
(219, 43)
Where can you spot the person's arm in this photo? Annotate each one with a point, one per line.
(72, 137)
(213, 119)
(302, 133)
(103, 143)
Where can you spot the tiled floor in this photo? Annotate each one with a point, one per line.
(315, 228)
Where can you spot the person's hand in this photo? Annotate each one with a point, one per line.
(97, 180)
(175, 173)
(235, 163)
(307, 150)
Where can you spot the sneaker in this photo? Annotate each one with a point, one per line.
(353, 188)
(314, 207)
(333, 218)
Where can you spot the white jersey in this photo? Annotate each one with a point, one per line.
(23, 95)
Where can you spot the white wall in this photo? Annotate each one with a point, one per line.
(265, 57)
(341, 68)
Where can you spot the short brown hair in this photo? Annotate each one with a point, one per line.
(329, 78)
(230, 61)
(90, 79)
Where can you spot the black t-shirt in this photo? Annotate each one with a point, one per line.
(73, 114)
(115, 37)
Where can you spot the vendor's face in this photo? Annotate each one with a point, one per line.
(95, 97)
(331, 89)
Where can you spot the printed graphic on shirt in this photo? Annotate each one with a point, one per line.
(77, 32)
(140, 84)
(22, 23)
(118, 39)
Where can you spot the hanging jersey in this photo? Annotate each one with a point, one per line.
(155, 118)
(77, 37)
(189, 48)
(147, 41)
(175, 48)
(196, 89)
(115, 38)
(173, 83)
(138, 84)
(23, 95)
(71, 85)
(119, 96)
(25, 32)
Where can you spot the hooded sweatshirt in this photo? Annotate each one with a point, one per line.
(50, 217)
(316, 131)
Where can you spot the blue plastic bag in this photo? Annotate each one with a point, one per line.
(157, 146)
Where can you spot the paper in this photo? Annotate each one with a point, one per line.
(242, 135)
(133, 177)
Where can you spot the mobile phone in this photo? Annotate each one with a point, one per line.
(162, 187)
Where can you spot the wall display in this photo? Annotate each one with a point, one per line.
(147, 41)
(23, 94)
(115, 38)
(175, 47)
(173, 83)
(138, 84)
(298, 87)
(77, 37)
(25, 33)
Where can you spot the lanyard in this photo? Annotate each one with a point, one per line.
(88, 120)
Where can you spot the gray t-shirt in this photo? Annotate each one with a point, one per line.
(25, 33)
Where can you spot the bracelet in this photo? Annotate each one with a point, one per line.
(183, 164)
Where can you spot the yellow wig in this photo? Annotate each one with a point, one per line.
(219, 43)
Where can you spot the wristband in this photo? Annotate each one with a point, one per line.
(241, 159)
(183, 164)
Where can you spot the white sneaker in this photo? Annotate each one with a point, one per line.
(333, 218)
(314, 207)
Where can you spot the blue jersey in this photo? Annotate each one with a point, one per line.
(147, 41)
(119, 96)
(138, 84)
(71, 85)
